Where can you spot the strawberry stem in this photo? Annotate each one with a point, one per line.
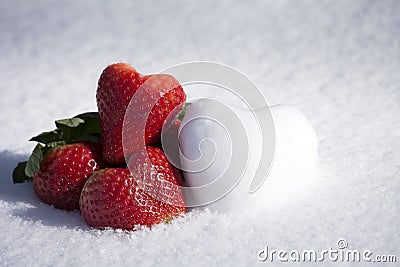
(83, 127)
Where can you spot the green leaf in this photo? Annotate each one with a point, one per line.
(183, 112)
(91, 126)
(33, 164)
(48, 137)
(169, 219)
(86, 115)
(25, 171)
(19, 175)
(71, 123)
(50, 146)
(91, 138)
(76, 128)
(54, 144)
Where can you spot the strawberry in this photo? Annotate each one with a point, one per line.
(63, 173)
(116, 198)
(62, 160)
(170, 132)
(117, 85)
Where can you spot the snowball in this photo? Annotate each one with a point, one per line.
(291, 173)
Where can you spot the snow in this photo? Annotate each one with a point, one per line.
(336, 61)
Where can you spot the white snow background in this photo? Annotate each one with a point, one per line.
(337, 61)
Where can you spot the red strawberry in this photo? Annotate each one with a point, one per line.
(114, 198)
(170, 134)
(117, 84)
(63, 173)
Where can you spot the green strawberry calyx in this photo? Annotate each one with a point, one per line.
(83, 127)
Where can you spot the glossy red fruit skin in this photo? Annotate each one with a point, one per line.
(117, 84)
(112, 198)
(63, 173)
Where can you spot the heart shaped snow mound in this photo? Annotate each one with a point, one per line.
(207, 150)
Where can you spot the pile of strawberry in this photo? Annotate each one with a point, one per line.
(81, 164)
